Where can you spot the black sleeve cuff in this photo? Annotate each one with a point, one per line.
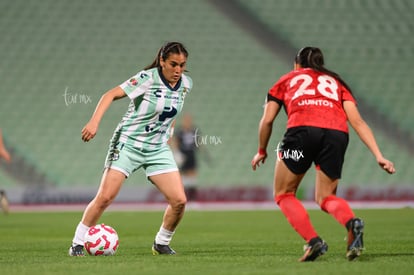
(272, 98)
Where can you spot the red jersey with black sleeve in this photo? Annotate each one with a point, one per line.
(312, 98)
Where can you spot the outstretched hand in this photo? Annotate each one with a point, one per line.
(89, 131)
(387, 165)
(257, 159)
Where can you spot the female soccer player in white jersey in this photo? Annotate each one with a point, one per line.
(140, 141)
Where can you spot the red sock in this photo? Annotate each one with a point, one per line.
(296, 215)
(338, 208)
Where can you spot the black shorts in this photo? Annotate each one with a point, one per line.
(189, 163)
(303, 145)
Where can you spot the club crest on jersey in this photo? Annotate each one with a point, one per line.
(133, 81)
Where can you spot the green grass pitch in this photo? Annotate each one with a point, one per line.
(208, 242)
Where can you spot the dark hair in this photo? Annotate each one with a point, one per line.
(312, 57)
(165, 51)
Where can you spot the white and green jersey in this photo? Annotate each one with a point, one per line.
(154, 105)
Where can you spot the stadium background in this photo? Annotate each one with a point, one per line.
(58, 57)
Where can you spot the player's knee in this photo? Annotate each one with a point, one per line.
(104, 200)
(178, 204)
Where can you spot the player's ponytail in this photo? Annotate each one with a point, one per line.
(312, 57)
(165, 51)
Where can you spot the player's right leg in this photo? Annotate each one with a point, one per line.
(355, 238)
(111, 183)
(339, 208)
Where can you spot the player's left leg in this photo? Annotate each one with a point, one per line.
(171, 186)
(285, 186)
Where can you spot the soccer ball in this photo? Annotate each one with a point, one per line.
(101, 239)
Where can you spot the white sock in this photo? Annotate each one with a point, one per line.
(79, 238)
(164, 236)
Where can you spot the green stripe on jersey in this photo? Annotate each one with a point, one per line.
(154, 105)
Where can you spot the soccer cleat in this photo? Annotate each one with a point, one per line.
(76, 251)
(314, 249)
(355, 240)
(158, 249)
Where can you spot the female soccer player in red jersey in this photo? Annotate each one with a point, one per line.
(318, 104)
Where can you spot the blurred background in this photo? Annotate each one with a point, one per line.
(58, 57)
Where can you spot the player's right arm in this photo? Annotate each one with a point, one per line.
(91, 128)
(365, 134)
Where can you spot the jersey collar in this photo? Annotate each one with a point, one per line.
(175, 88)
